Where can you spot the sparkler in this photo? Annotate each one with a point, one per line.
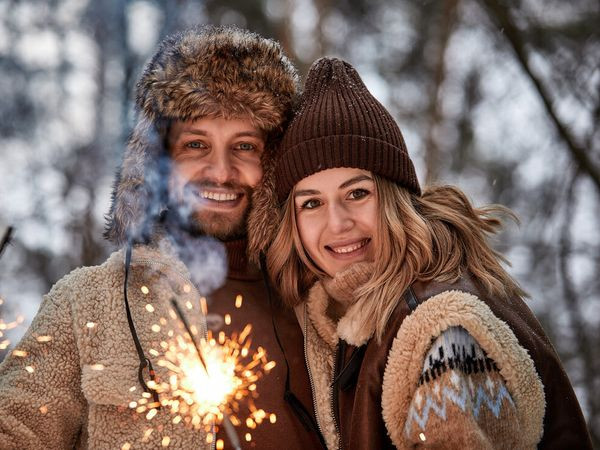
(207, 380)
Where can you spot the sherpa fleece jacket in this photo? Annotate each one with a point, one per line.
(70, 380)
(454, 370)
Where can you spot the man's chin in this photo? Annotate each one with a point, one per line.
(221, 225)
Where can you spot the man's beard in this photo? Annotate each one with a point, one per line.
(198, 220)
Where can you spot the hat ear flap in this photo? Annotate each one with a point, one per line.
(139, 189)
(265, 216)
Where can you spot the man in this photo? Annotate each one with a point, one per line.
(88, 373)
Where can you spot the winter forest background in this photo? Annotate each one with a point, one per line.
(500, 97)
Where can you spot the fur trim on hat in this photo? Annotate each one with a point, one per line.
(265, 215)
(206, 71)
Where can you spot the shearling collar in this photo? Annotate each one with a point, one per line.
(351, 327)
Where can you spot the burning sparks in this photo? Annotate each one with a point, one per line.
(7, 326)
(206, 380)
(202, 379)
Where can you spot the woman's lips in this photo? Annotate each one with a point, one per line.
(348, 249)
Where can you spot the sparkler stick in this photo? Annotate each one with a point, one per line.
(187, 328)
(230, 431)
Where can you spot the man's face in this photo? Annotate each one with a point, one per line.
(216, 165)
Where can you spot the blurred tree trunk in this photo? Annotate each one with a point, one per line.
(433, 157)
(585, 345)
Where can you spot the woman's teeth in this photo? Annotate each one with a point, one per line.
(350, 248)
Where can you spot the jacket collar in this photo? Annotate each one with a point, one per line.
(351, 327)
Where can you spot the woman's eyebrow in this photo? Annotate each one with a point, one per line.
(305, 192)
(351, 181)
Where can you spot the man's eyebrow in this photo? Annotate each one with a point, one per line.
(252, 133)
(194, 131)
(356, 179)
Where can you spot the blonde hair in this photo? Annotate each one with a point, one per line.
(437, 236)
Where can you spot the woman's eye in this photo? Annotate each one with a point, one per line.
(310, 204)
(358, 194)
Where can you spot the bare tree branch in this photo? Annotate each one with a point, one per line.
(501, 17)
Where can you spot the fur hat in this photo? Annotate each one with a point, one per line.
(206, 71)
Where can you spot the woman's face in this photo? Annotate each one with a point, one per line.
(336, 214)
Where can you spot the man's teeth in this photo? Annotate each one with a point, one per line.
(350, 248)
(219, 196)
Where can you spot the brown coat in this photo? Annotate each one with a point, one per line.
(380, 395)
(80, 388)
(82, 380)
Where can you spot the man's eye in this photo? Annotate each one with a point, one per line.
(195, 145)
(358, 194)
(310, 204)
(246, 146)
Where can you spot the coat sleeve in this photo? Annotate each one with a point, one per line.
(41, 404)
(456, 377)
(461, 400)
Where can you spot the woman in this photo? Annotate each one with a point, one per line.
(414, 333)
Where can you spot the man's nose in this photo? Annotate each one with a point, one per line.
(220, 167)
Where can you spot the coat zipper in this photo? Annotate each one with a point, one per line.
(310, 378)
(203, 324)
(312, 384)
(334, 391)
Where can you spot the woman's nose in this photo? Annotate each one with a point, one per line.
(340, 219)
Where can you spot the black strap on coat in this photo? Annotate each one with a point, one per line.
(297, 407)
(347, 376)
(144, 361)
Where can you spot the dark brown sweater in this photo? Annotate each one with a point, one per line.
(246, 280)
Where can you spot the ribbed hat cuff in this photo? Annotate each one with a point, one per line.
(328, 152)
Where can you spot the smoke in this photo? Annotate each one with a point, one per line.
(204, 256)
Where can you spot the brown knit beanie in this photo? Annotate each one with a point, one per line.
(340, 124)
